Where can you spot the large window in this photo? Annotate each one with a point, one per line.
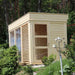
(18, 42)
(16, 39)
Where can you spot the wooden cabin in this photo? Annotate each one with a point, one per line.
(34, 35)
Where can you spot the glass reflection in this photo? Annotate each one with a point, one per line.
(12, 38)
(18, 42)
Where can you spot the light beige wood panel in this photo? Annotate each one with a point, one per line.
(25, 43)
(48, 16)
(56, 30)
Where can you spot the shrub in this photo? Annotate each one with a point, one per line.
(28, 69)
(51, 58)
(48, 60)
(5, 46)
(70, 53)
(54, 68)
(8, 61)
(45, 60)
(66, 69)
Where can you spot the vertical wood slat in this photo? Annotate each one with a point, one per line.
(25, 44)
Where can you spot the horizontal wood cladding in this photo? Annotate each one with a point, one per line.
(48, 17)
(25, 43)
(57, 30)
(37, 16)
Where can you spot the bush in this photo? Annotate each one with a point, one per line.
(66, 69)
(51, 58)
(54, 68)
(70, 53)
(48, 60)
(5, 46)
(28, 69)
(45, 60)
(9, 61)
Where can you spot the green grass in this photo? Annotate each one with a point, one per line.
(53, 69)
(38, 69)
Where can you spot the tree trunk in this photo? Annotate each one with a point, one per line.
(39, 5)
(25, 2)
(11, 10)
(15, 5)
(6, 18)
(63, 5)
(6, 13)
(18, 8)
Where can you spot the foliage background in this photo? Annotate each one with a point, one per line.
(11, 10)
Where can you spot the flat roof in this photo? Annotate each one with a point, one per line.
(39, 16)
(39, 13)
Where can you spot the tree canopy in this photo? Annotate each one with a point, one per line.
(11, 10)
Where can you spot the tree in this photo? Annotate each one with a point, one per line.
(39, 5)
(71, 19)
(72, 5)
(71, 29)
(11, 10)
(2, 24)
(70, 53)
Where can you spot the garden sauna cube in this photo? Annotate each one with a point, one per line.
(34, 35)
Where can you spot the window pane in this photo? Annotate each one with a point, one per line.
(40, 29)
(18, 42)
(41, 41)
(12, 38)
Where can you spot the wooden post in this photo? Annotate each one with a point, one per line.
(21, 44)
